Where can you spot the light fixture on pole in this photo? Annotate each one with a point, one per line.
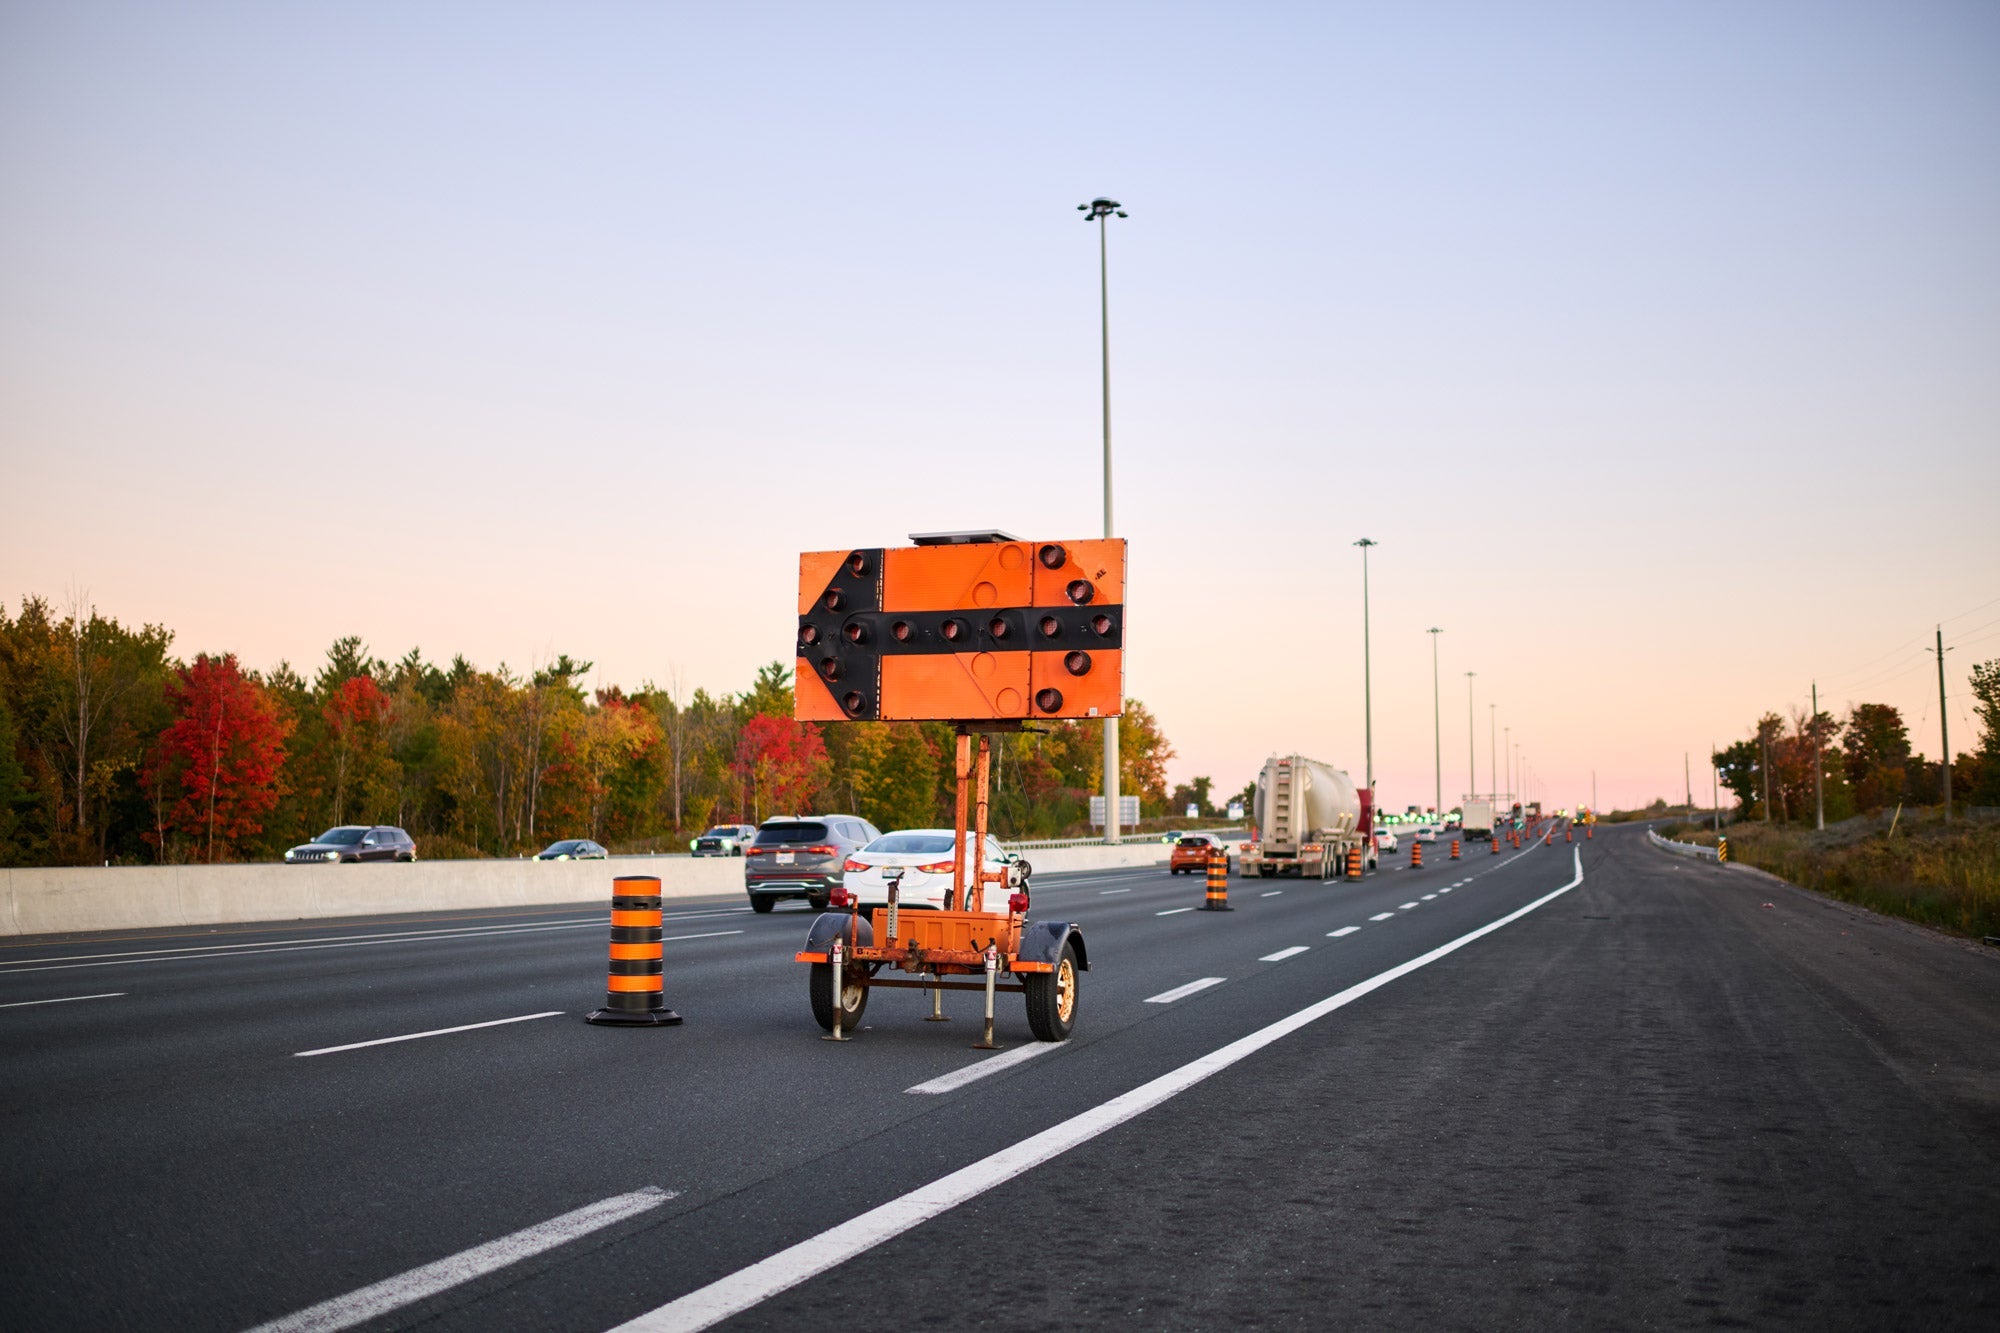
(1098, 211)
(1471, 758)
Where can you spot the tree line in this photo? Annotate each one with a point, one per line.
(114, 750)
(1867, 761)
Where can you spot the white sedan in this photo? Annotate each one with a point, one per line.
(1385, 841)
(1427, 833)
(924, 857)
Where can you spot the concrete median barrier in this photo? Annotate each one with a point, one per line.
(59, 899)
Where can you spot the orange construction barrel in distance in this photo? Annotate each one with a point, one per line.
(1454, 849)
(1496, 844)
(634, 992)
(1416, 855)
(1354, 863)
(1218, 882)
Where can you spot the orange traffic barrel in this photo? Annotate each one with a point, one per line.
(1218, 882)
(635, 990)
(1496, 844)
(1354, 863)
(1569, 834)
(1586, 831)
(1416, 855)
(1454, 849)
(1549, 838)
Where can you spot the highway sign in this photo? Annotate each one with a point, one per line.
(986, 629)
(1128, 811)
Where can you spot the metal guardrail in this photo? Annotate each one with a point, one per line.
(1690, 849)
(1126, 839)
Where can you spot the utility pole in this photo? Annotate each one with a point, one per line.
(1944, 727)
(1367, 683)
(1593, 791)
(1715, 788)
(1492, 751)
(1764, 749)
(1437, 724)
(1819, 767)
(1507, 740)
(1690, 783)
(1099, 211)
(1471, 757)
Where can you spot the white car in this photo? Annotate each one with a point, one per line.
(1427, 833)
(1385, 841)
(924, 856)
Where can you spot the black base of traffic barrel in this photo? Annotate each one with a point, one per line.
(657, 1018)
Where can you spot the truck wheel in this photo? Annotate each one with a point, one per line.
(1052, 998)
(853, 997)
(761, 902)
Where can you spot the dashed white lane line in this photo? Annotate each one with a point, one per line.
(358, 1307)
(1429, 896)
(1447, 888)
(993, 1064)
(1282, 954)
(1102, 893)
(751, 1286)
(1406, 907)
(63, 999)
(1174, 911)
(1344, 930)
(1382, 916)
(1182, 992)
(434, 1032)
(1272, 894)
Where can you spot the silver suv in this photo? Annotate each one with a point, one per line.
(805, 858)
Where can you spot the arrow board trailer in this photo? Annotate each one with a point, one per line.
(990, 633)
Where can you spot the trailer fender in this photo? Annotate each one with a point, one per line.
(1042, 942)
(828, 926)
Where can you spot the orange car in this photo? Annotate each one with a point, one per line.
(1192, 851)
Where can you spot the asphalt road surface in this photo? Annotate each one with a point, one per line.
(1585, 1085)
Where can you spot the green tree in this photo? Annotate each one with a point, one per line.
(1985, 790)
(1876, 749)
(14, 794)
(895, 773)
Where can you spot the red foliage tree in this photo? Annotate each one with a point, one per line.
(354, 714)
(212, 774)
(781, 760)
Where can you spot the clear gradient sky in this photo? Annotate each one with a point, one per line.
(1657, 344)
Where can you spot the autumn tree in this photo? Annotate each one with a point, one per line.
(213, 769)
(780, 761)
(1986, 704)
(896, 774)
(359, 753)
(1876, 749)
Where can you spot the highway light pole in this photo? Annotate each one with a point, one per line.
(1471, 758)
(1099, 211)
(1437, 723)
(1367, 685)
(1492, 771)
(1507, 751)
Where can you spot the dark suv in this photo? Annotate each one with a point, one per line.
(802, 858)
(356, 842)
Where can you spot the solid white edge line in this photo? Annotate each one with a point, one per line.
(1282, 954)
(1344, 930)
(992, 1064)
(434, 1032)
(788, 1267)
(63, 999)
(369, 1302)
(1182, 992)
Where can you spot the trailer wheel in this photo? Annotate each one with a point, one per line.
(853, 996)
(1052, 998)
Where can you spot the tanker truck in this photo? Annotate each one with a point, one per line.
(1309, 816)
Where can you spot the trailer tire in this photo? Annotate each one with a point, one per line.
(1053, 997)
(853, 996)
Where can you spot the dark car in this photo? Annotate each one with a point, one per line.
(802, 858)
(356, 842)
(723, 840)
(571, 849)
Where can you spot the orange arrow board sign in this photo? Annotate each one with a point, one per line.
(979, 631)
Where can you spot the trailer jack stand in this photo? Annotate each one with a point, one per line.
(986, 1042)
